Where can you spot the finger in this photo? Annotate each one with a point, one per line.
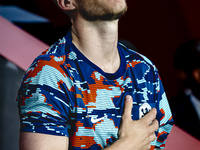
(149, 117)
(152, 137)
(128, 104)
(148, 141)
(154, 125)
(149, 147)
(146, 147)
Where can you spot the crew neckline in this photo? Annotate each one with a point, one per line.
(109, 76)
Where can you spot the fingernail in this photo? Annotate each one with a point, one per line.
(128, 98)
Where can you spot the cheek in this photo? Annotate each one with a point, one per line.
(116, 3)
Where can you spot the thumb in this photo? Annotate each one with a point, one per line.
(128, 104)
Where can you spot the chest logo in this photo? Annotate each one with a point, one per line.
(144, 109)
(97, 119)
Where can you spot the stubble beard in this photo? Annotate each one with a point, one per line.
(92, 11)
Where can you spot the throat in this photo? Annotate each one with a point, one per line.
(108, 61)
(110, 67)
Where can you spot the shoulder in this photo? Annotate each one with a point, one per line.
(132, 55)
(55, 50)
(50, 62)
(54, 56)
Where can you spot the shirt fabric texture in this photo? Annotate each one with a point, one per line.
(65, 94)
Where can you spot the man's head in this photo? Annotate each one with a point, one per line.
(94, 10)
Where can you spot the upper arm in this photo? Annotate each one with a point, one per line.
(38, 141)
(164, 116)
(44, 98)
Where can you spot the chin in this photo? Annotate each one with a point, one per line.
(120, 8)
(105, 11)
(118, 3)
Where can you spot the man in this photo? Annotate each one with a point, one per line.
(186, 104)
(85, 91)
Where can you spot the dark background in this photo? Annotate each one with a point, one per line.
(155, 27)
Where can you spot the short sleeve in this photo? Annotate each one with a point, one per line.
(44, 97)
(164, 117)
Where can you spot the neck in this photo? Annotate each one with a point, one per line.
(98, 42)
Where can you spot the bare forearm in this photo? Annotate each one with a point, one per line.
(37, 141)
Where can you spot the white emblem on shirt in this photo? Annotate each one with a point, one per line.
(144, 109)
(96, 120)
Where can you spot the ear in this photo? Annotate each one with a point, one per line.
(66, 5)
(196, 75)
